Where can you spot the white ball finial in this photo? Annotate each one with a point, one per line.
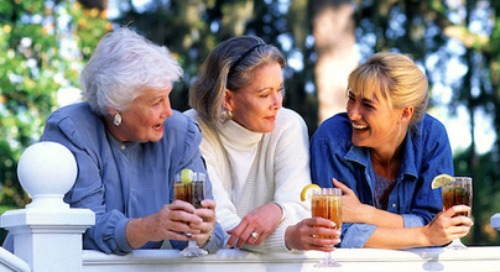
(47, 171)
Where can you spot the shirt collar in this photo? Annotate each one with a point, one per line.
(361, 155)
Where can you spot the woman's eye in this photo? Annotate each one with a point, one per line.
(368, 106)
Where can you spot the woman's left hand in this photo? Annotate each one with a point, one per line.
(351, 206)
(207, 213)
(256, 226)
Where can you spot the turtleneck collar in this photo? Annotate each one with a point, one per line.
(236, 135)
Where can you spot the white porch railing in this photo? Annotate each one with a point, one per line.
(48, 238)
(471, 259)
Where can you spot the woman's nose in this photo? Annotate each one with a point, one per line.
(278, 100)
(167, 109)
(353, 111)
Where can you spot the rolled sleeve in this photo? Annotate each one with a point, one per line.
(121, 238)
(216, 240)
(356, 235)
(412, 220)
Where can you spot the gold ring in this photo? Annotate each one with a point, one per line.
(255, 235)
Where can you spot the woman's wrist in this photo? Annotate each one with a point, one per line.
(207, 241)
(289, 238)
(283, 211)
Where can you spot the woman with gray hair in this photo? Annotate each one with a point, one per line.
(129, 144)
(256, 151)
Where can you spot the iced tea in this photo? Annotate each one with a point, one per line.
(192, 192)
(197, 193)
(183, 191)
(328, 205)
(458, 192)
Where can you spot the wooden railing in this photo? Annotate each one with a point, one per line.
(48, 238)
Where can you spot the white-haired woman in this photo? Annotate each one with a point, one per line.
(129, 144)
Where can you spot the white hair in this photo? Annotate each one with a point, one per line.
(125, 64)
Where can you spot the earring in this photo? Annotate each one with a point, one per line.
(117, 120)
(226, 116)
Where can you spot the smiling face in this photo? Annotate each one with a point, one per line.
(256, 105)
(375, 124)
(143, 120)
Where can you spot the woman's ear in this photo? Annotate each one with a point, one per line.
(112, 111)
(228, 100)
(407, 113)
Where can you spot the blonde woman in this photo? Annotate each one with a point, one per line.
(384, 152)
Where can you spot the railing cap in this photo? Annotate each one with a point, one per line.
(47, 171)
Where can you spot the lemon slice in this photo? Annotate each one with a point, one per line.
(441, 180)
(308, 190)
(186, 175)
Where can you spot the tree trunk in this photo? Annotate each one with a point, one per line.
(333, 30)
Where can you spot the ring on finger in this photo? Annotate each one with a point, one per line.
(255, 235)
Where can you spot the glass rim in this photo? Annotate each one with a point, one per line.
(328, 191)
(462, 179)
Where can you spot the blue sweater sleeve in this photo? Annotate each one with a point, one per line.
(117, 185)
(108, 234)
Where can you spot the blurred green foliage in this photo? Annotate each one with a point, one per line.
(43, 45)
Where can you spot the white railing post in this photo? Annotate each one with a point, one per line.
(48, 233)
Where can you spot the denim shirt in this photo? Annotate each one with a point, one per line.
(427, 153)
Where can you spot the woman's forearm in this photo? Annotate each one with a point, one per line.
(398, 238)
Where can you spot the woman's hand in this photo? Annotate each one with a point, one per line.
(261, 221)
(354, 211)
(352, 208)
(171, 222)
(306, 234)
(207, 213)
(446, 227)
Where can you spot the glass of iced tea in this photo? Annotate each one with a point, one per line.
(327, 203)
(457, 192)
(191, 190)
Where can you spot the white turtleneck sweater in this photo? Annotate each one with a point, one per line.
(249, 169)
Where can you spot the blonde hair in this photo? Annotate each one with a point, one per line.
(393, 78)
(230, 65)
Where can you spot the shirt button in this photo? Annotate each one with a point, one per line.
(394, 205)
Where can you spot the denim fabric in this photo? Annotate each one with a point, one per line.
(427, 153)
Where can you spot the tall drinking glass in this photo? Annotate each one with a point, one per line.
(457, 192)
(192, 192)
(327, 203)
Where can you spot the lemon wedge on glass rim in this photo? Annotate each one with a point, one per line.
(186, 175)
(308, 191)
(440, 180)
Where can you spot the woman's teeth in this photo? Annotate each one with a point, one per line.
(359, 126)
